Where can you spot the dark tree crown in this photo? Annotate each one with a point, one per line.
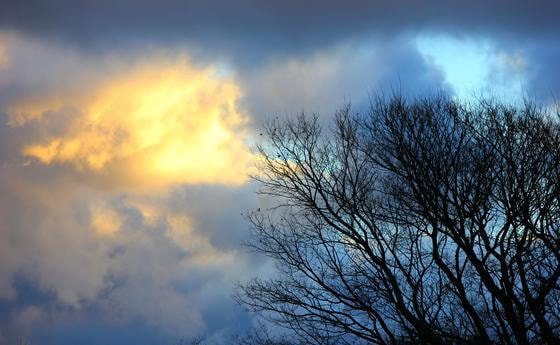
(427, 221)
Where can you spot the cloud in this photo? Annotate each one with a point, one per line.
(251, 29)
(121, 183)
(542, 62)
(165, 122)
(326, 80)
(254, 35)
(3, 55)
(116, 261)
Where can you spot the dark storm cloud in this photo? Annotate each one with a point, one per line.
(253, 34)
(258, 28)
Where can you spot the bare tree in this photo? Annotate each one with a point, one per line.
(427, 221)
(260, 335)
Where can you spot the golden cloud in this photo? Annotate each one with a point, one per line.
(105, 221)
(160, 123)
(3, 54)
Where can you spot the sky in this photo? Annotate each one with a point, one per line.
(128, 132)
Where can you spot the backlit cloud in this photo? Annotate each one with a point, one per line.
(98, 233)
(3, 54)
(164, 121)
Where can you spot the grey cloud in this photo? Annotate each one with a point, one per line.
(93, 332)
(60, 283)
(543, 71)
(259, 28)
(221, 221)
(531, 69)
(325, 81)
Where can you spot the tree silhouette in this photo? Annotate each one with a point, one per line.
(425, 221)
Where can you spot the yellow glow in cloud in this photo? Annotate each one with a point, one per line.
(4, 43)
(162, 123)
(105, 221)
(3, 54)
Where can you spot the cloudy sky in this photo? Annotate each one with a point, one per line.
(127, 131)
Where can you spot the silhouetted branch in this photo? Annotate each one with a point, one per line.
(427, 221)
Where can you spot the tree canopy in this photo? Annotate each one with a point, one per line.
(426, 221)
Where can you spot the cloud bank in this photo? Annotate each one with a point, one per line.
(164, 122)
